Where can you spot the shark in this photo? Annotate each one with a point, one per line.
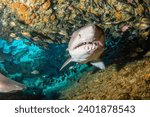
(87, 45)
(9, 86)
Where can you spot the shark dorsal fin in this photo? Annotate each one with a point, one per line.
(66, 63)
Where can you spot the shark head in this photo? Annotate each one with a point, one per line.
(86, 45)
(9, 86)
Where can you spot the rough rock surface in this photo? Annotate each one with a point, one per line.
(130, 82)
(55, 20)
(127, 76)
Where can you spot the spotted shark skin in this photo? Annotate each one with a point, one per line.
(9, 86)
(86, 46)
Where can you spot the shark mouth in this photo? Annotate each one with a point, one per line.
(96, 43)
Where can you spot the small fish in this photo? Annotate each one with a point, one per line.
(36, 38)
(26, 34)
(17, 38)
(13, 24)
(12, 35)
(86, 45)
(125, 28)
(28, 43)
(9, 86)
(35, 72)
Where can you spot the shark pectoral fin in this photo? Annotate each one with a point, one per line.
(99, 64)
(8, 86)
(17, 86)
(66, 63)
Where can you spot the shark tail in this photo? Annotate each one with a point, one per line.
(66, 63)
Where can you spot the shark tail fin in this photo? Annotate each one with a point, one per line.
(66, 63)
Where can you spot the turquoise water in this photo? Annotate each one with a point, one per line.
(38, 68)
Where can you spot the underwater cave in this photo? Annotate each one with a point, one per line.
(37, 67)
(34, 38)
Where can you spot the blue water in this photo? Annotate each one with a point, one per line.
(20, 58)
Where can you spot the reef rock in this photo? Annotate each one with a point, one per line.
(131, 82)
(58, 18)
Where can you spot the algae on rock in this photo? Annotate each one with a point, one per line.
(59, 18)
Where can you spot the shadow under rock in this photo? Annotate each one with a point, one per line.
(123, 53)
(127, 56)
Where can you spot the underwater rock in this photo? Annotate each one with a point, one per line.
(131, 82)
(59, 19)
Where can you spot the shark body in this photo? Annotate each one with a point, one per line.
(9, 86)
(86, 45)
